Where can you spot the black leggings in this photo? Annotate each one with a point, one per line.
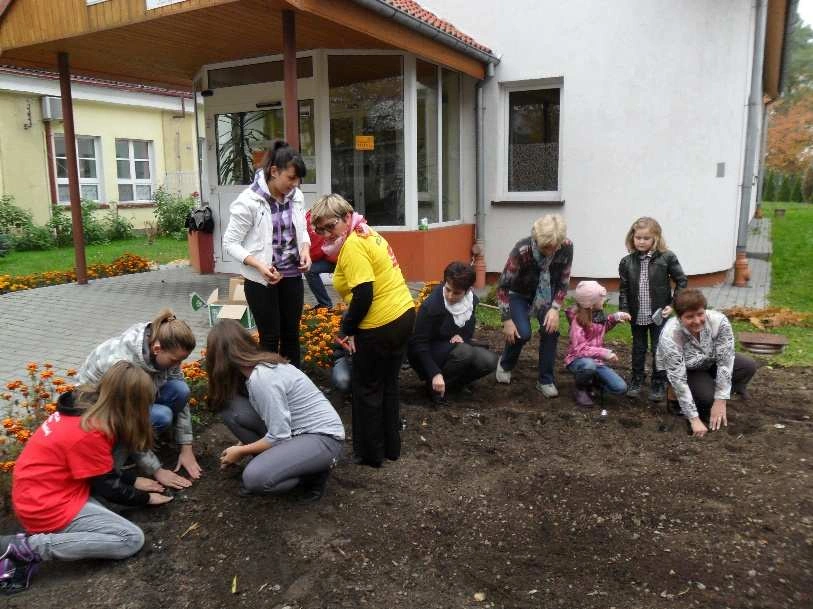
(277, 310)
(376, 407)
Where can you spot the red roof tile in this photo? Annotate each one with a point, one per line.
(415, 10)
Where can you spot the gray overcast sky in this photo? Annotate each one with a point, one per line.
(806, 11)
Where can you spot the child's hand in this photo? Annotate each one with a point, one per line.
(171, 479)
(666, 311)
(148, 484)
(622, 316)
(158, 499)
(611, 357)
(456, 339)
(231, 455)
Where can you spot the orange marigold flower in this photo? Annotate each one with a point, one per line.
(48, 365)
(71, 372)
(32, 367)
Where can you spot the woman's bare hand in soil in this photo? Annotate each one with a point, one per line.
(698, 429)
(158, 499)
(438, 384)
(510, 331)
(171, 479)
(148, 484)
(718, 417)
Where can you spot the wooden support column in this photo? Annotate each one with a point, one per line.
(289, 64)
(73, 168)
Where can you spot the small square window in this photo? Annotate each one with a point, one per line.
(533, 140)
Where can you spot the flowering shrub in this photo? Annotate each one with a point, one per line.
(125, 264)
(318, 330)
(194, 373)
(27, 404)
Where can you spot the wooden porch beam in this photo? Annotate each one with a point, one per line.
(289, 75)
(73, 168)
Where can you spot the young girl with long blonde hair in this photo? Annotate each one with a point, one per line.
(647, 276)
(69, 458)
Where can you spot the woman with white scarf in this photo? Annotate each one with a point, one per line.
(440, 350)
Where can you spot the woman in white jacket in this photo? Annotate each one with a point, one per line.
(268, 234)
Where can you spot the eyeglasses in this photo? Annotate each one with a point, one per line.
(325, 228)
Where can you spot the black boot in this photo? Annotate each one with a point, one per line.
(313, 486)
(657, 392)
(634, 386)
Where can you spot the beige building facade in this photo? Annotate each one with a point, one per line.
(130, 140)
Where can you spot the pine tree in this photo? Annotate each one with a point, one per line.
(807, 184)
(769, 186)
(796, 189)
(783, 192)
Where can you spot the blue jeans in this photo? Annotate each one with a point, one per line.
(585, 369)
(520, 315)
(171, 399)
(315, 282)
(342, 374)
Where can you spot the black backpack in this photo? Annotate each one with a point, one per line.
(201, 219)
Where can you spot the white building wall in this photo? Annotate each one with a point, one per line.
(654, 97)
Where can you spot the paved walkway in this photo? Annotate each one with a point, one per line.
(62, 324)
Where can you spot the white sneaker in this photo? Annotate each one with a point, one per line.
(503, 376)
(549, 391)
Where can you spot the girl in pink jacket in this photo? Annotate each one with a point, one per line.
(587, 357)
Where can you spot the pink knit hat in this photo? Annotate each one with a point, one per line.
(590, 294)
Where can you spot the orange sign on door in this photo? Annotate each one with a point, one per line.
(365, 142)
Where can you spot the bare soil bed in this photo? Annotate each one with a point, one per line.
(501, 499)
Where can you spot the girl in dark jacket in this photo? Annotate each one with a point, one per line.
(645, 292)
(440, 349)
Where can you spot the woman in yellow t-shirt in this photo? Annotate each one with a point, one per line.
(378, 324)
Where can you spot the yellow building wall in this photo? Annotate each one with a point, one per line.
(23, 164)
(23, 156)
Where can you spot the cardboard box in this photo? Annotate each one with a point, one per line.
(232, 307)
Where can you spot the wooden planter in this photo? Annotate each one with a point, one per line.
(764, 344)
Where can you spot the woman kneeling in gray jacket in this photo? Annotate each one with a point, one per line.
(281, 419)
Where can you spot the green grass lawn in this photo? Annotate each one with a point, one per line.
(24, 263)
(791, 278)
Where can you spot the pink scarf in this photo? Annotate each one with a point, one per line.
(358, 223)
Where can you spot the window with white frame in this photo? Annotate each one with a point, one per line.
(533, 139)
(87, 159)
(134, 170)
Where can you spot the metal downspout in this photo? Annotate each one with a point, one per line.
(741, 271)
(479, 249)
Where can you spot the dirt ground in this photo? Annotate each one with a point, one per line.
(501, 499)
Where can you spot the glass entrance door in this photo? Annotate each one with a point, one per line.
(367, 134)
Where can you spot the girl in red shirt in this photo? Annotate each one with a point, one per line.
(69, 458)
